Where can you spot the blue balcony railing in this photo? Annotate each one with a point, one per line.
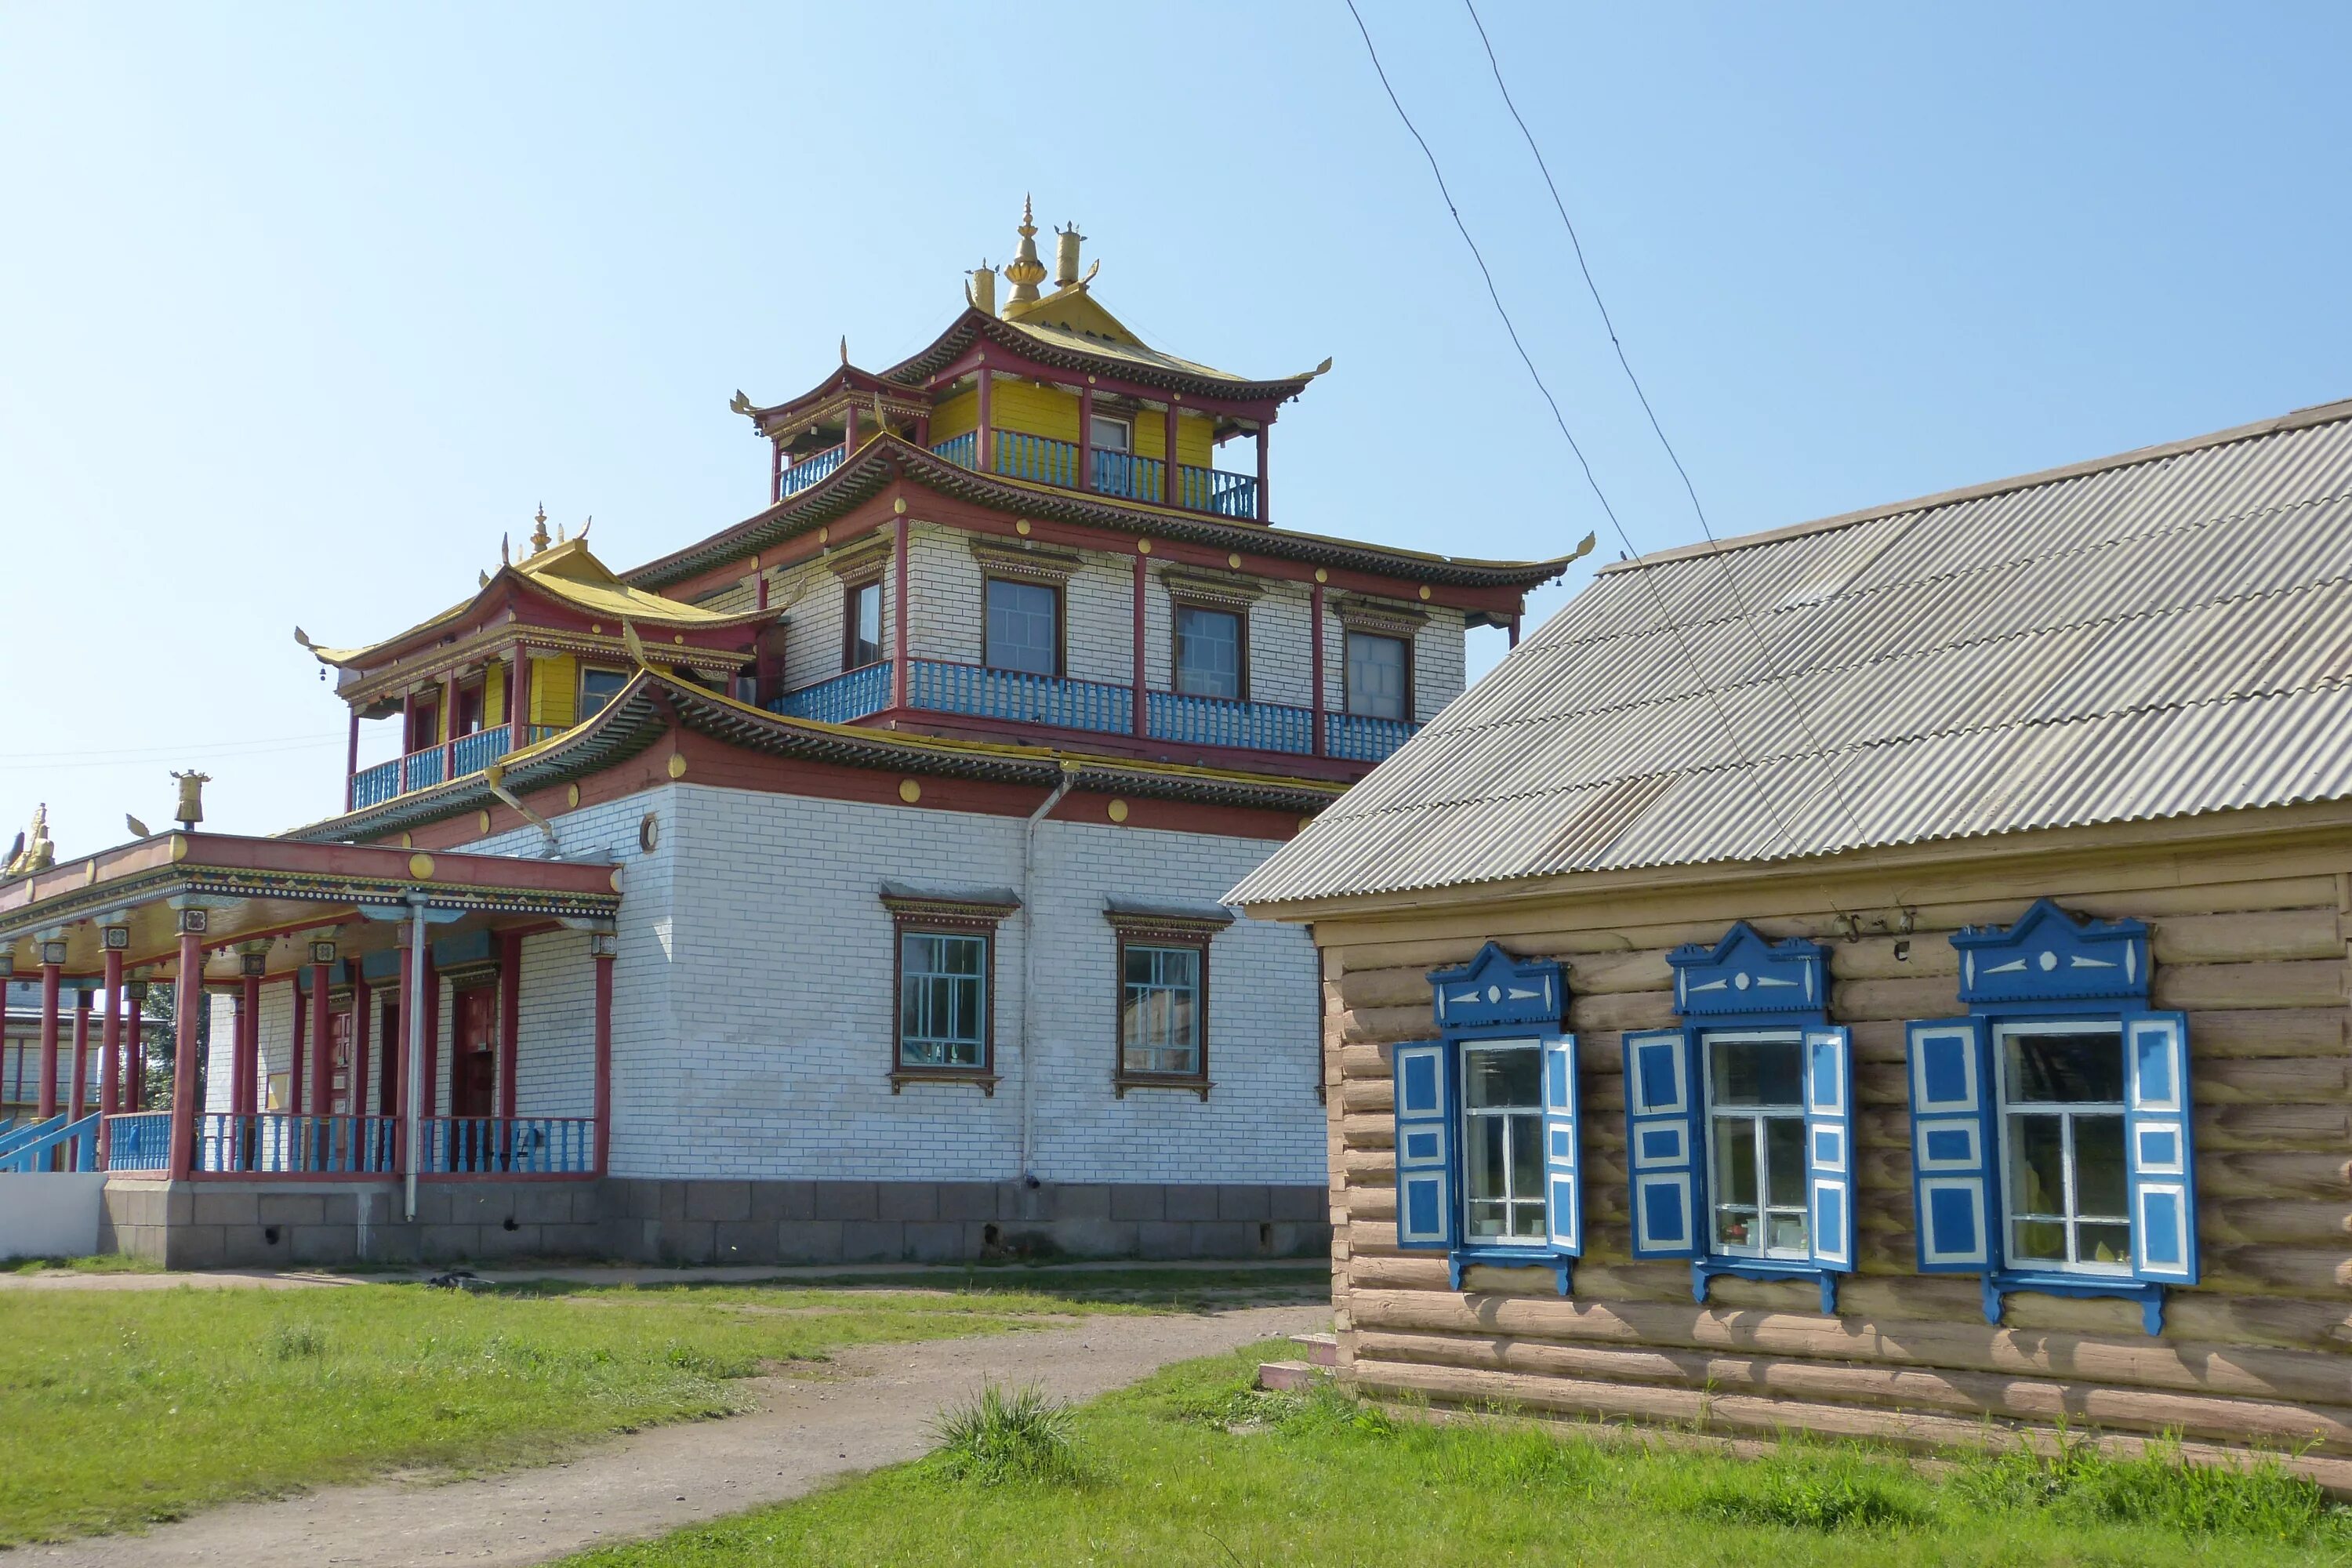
(497, 1146)
(139, 1141)
(808, 470)
(374, 786)
(276, 1143)
(1038, 458)
(480, 749)
(840, 700)
(1023, 699)
(1215, 490)
(1216, 722)
(962, 450)
(1363, 739)
(420, 770)
(1125, 474)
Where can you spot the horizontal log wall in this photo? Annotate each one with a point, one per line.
(2260, 1353)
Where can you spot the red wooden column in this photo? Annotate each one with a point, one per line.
(776, 473)
(518, 700)
(109, 1035)
(296, 1064)
(53, 958)
(1262, 513)
(77, 1095)
(323, 1035)
(602, 947)
(1086, 438)
(509, 1018)
(428, 1063)
(188, 999)
(390, 1103)
(983, 445)
(449, 726)
(407, 740)
(245, 1098)
(899, 610)
(362, 1026)
(351, 762)
(1142, 582)
(1314, 656)
(1172, 492)
(849, 433)
(134, 1045)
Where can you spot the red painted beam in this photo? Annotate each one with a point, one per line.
(189, 997)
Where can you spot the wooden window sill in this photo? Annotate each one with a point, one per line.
(1121, 1082)
(984, 1079)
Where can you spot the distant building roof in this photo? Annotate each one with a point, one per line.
(2159, 634)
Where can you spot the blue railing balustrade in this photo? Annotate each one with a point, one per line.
(1125, 474)
(276, 1143)
(1363, 739)
(141, 1140)
(963, 450)
(1038, 458)
(36, 1148)
(808, 470)
(1215, 490)
(420, 770)
(374, 786)
(480, 749)
(496, 1146)
(1219, 722)
(843, 698)
(1022, 697)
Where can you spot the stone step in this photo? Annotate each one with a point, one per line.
(1323, 1350)
(1290, 1376)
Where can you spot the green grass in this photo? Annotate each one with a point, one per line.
(106, 1263)
(129, 1407)
(1192, 1468)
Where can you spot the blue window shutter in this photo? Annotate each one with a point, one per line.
(1662, 1142)
(1423, 1156)
(1829, 1146)
(1955, 1203)
(2157, 1140)
(1564, 1203)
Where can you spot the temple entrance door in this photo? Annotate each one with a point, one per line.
(473, 1076)
(339, 1075)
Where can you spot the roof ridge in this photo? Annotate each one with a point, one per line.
(2299, 419)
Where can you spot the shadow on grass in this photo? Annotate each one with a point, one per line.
(1146, 1288)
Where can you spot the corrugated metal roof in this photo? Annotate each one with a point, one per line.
(2160, 634)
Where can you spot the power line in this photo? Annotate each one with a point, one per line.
(1730, 579)
(1673, 627)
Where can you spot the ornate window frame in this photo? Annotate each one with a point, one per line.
(946, 913)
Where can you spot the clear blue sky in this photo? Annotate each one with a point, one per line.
(301, 307)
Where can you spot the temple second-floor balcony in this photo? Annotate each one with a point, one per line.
(808, 470)
(974, 691)
(1046, 461)
(433, 764)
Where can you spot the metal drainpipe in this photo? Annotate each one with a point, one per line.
(1029, 965)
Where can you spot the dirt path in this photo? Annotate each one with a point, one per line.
(872, 1405)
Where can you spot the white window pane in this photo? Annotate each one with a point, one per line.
(1376, 676)
(1022, 629)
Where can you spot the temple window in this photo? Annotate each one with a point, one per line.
(1378, 675)
(1024, 627)
(1209, 646)
(598, 686)
(1110, 435)
(942, 999)
(863, 626)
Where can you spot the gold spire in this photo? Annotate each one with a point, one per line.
(1025, 271)
(539, 540)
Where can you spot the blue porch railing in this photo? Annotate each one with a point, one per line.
(276, 1143)
(496, 1146)
(374, 786)
(843, 698)
(35, 1149)
(1364, 740)
(1125, 474)
(1021, 698)
(808, 470)
(1213, 490)
(480, 749)
(1038, 458)
(1217, 721)
(24, 1136)
(962, 450)
(420, 770)
(139, 1141)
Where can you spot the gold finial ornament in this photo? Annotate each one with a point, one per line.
(539, 540)
(34, 850)
(979, 290)
(191, 809)
(1025, 271)
(1065, 254)
(504, 558)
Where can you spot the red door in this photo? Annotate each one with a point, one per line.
(473, 1076)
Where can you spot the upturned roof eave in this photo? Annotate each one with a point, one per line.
(972, 325)
(886, 458)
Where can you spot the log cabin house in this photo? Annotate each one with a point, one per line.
(1884, 977)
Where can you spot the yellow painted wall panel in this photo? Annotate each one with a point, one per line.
(494, 692)
(554, 690)
(1033, 410)
(956, 416)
